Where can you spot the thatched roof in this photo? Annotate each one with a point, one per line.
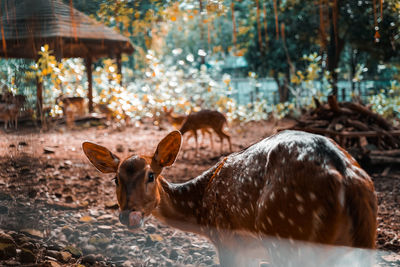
(26, 25)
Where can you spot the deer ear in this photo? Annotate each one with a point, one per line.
(101, 157)
(167, 150)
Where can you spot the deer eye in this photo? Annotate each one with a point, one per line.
(116, 181)
(151, 177)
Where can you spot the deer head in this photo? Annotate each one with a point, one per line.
(137, 177)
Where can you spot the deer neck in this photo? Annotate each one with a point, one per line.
(181, 205)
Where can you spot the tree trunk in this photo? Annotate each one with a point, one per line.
(335, 47)
(90, 83)
(260, 43)
(233, 25)
(283, 89)
(202, 58)
(39, 100)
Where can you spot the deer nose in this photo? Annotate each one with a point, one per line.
(124, 217)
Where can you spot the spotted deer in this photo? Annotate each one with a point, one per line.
(292, 186)
(176, 120)
(205, 119)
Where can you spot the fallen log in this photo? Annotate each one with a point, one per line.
(386, 153)
(384, 160)
(366, 112)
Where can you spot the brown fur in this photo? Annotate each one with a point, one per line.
(291, 186)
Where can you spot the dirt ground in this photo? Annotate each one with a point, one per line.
(57, 207)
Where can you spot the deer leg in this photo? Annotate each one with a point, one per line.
(222, 135)
(228, 257)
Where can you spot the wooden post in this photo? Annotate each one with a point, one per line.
(90, 82)
(39, 99)
(119, 65)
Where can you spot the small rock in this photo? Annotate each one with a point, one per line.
(105, 217)
(105, 229)
(23, 143)
(120, 148)
(49, 258)
(127, 263)
(32, 193)
(90, 259)
(69, 199)
(67, 230)
(86, 219)
(65, 256)
(156, 238)
(173, 255)
(12, 263)
(5, 196)
(48, 150)
(53, 253)
(150, 229)
(6, 238)
(111, 205)
(99, 257)
(33, 233)
(27, 256)
(84, 227)
(75, 252)
(89, 249)
(54, 246)
(29, 246)
(7, 250)
(3, 210)
(99, 241)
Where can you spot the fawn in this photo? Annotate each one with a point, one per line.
(205, 119)
(177, 121)
(292, 185)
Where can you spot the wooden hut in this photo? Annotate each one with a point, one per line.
(26, 25)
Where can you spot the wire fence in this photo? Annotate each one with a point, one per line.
(248, 90)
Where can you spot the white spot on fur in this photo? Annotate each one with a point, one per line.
(298, 197)
(281, 214)
(312, 196)
(341, 196)
(290, 221)
(269, 221)
(190, 204)
(272, 196)
(300, 208)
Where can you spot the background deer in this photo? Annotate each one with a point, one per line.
(10, 107)
(292, 185)
(205, 119)
(176, 120)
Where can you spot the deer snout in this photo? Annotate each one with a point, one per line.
(132, 219)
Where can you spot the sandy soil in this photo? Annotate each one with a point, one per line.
(50, 170)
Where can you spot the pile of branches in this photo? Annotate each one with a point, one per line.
(364, 133)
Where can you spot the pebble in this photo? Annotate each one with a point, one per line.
(105, 229)
(54, 254)
(12, 263)
(89, 259)
(65, 256)
(27, 256)
(88, 249)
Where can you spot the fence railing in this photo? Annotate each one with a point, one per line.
(247, 90)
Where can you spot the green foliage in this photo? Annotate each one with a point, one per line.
(304, 83)
(387, 103)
